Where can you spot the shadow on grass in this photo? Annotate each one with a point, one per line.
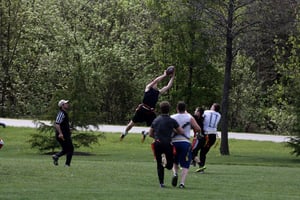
(77, 153)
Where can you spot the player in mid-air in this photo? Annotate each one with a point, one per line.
(145, 112)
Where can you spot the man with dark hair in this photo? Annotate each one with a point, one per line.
(182, 143)
(197, 141)
(145, 112)
(210, 124)
(63, 134)
(162, 130)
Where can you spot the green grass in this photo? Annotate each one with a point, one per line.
(126, 170)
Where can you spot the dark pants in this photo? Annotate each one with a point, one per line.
(167, 149)
(204, 145)
(67, 149)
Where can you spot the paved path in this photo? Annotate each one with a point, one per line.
(118, 128)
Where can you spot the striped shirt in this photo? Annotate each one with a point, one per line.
(62, 119)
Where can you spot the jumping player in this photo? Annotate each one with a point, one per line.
(145, 112)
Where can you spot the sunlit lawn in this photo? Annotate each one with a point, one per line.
(126, 170)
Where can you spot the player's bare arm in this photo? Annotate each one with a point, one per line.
(151, 132)
(179, 131)
(60, 135)
(155, 81)
(169, 85)
(195, 125)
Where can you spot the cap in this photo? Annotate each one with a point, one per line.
(61, 102)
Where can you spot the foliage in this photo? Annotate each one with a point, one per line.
(100, 55)
(294, 143)
(180, 40)
(288, 86)
(45, 140)
(244, 115)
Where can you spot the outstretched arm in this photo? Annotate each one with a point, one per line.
(155, 81)
(169, 85)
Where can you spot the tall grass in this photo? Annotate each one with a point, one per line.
(126, 170)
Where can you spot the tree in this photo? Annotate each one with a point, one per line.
(12, 20)
(227, 20)
(180, 40)
(277, 22)
(288, 87)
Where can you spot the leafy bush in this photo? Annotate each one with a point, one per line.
(294, 143)
(45, 140)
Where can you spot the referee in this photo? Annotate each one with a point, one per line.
(63, 134)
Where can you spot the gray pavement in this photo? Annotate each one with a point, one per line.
(139, 129)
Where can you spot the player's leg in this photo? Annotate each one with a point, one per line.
(176, 154)
(185, 160)
(138, 117)
(160, 169)
(149, 117)
(127, 129)
(69, 152)
(195, 150)
(210, 141)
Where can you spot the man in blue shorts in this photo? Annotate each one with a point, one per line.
(182, 143)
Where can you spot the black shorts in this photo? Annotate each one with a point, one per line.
(144, 115)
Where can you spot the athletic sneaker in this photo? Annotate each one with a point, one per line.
(201, 169)
(174, 180)
(55, 160)
(163, 160)
(162, 185)
(193, 163)
(144, 135)
(122, 136)
(181, 186)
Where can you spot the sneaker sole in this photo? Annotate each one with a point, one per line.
(201, 169)
(174, 181)
(55, 161)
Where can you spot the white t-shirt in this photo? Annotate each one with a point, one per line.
(211, 121)
(184, 121)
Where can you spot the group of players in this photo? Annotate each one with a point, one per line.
(172, 146)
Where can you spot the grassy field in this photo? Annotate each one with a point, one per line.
(126, 170)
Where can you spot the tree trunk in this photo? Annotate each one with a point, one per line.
(224, 149)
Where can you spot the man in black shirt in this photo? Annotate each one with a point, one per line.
(63, 133)
(145, 111)
(162, 131)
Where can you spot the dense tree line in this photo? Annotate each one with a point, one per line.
(100, 54)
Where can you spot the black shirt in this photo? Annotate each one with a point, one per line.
(163, 127)
(151, 97)
(63, 120)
